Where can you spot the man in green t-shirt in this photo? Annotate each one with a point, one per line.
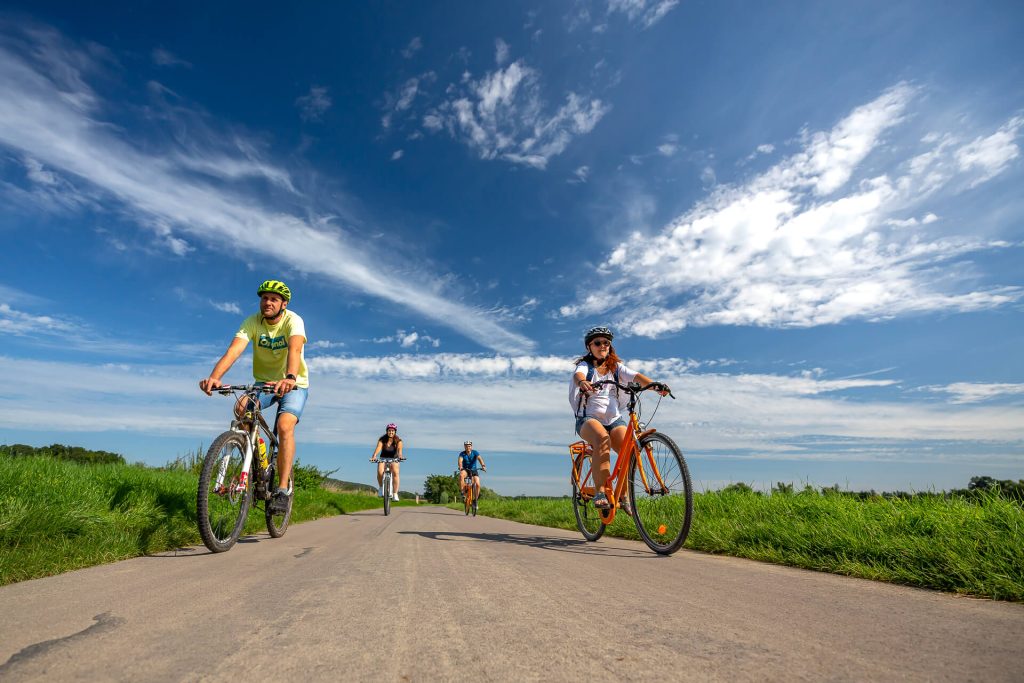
(278, 336)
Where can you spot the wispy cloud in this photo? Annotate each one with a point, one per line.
(164, 57)
(501, 51)
(580, 175)
(397, 154)
(802, 245)
(20, 323)
(977, 392)
(503, 116)
(646, 13)
(412, 339)
(314, 104)
(401, 100)
(50, 114)
(227, 307)
(414, 46)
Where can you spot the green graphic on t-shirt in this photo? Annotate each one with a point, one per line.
(272, 343)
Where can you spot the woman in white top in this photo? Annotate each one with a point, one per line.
(599, 418)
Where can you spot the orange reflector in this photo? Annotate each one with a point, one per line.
(661, 529)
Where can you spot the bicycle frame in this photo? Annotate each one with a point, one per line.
(253, 417)
(388, 474)
(620, 470)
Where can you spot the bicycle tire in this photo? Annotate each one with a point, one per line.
(387, 492)
(588, 517)
(468, 498)
(662, 514)
(221, 511)
(277, 522)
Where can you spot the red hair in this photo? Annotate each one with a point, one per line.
(611, 361)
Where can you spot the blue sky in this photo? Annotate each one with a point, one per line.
(806, 217)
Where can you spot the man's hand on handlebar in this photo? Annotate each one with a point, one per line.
(209, 385)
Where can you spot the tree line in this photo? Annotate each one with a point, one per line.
(62, 452)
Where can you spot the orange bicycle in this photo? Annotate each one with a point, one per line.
(654, 470)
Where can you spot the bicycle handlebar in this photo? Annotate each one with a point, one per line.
(634, 387)
(226, 389)
(388, 459)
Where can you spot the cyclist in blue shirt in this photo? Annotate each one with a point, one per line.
(470, 464)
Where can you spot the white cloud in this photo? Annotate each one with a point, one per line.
(412, 48)
(668, 149)
(227, 307)
(580, 175)
(20, 323)
(408, 340)
(990, 155)
(325, 344)
(502, 116)
(397, 154)
(163, 57)
(401, 100)
(51, 115)
(501, 51)
(313, 105)
(977, 392)
(789, 249)
(644, 12)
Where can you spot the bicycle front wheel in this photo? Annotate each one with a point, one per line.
(467, 499)
(588, 517)
(277, 522)
(222, 505)
(659, 486)
(387, 494)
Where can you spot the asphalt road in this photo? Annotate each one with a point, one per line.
(428, 594)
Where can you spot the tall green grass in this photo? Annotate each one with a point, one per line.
(57, 515)
(974, 547)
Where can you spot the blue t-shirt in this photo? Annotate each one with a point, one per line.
(469, 460)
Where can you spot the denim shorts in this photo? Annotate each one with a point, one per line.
(293, 402)
(618, 422)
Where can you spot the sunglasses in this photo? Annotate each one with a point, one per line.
(600, 342)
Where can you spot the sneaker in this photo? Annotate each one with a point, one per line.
(394, 496)
(279, 503)
(380, 492)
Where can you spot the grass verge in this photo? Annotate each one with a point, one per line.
(971, 547)
(57, 515)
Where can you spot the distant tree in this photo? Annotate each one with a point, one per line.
(436, 484)
(782, 488)
(738, 487)
(982, 484)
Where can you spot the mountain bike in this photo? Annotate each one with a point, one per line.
(653, 469)
(387, 481)
(240, 466)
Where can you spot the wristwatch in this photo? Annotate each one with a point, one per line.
(291, 377)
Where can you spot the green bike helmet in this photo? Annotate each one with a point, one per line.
(275, 287)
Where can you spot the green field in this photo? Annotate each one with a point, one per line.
(57, 515)
(973, 546)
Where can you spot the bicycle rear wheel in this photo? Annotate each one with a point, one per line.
(588, 518)
(387, 492)
(222, 504)
(659, 486)
(277, 522)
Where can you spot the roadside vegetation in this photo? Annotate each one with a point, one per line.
(62, 513)
(969, 541)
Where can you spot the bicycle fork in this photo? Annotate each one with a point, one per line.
(243, 479)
